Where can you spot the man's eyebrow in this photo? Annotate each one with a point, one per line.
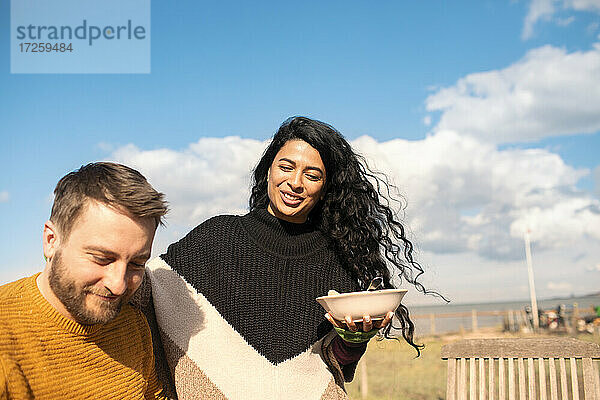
(111, 253)
(294, 163)
(102, 250)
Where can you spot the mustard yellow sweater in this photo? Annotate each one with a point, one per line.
(44, 355)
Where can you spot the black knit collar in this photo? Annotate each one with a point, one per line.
(281, 237)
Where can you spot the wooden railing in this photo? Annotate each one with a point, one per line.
(513, 318)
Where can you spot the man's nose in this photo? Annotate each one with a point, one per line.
(115, 278)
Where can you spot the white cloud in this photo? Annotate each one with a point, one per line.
(467, 205)
(463, 195)
(468, 277)
(4, 197)
(107, 147)
(596, 176)
(595, 268)
(565, 21)
(573, 217)
(538, 9)
(209, 177)
(583, 5)
(547, 93)
(427, 120)
(545, 10)
(560, 286)
(592, 27)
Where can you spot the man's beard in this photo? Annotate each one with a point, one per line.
(73, 297)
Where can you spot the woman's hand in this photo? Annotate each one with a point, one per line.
(367, 325)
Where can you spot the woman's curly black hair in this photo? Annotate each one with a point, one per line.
(363, 230)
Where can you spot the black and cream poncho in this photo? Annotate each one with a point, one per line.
(235, 304)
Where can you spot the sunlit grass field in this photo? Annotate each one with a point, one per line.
(393, 372)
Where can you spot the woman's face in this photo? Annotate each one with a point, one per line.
(295, 181)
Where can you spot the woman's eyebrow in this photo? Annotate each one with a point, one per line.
(288, 160)
(294, 163)
(316, 169)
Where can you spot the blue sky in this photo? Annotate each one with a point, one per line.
(378, 74)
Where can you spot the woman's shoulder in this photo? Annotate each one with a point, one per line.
(213, 233)
(213, 227)
(215, 224)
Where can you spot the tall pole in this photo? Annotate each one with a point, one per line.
(534, 308)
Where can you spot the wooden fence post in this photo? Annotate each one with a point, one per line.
(526, 321)
(474, 320)
(511, 321)
(364, 383)
(575, 317)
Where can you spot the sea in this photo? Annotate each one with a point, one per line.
(456, 323)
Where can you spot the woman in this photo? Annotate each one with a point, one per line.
(235, 299)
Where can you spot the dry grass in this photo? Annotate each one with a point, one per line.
(393, 372)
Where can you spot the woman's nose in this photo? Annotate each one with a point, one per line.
(295, 183)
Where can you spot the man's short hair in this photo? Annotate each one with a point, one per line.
(112, 184)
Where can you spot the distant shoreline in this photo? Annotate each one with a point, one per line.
(556, 298)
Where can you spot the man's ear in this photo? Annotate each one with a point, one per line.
(50, 240)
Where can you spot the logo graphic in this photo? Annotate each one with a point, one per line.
(79, 36)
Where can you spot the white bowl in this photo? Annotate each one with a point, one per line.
(375, 304)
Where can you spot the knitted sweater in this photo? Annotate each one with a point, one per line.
(236, 310)
(44, 355)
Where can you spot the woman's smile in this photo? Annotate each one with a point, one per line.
(291, 199)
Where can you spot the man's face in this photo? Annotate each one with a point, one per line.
(100, 264)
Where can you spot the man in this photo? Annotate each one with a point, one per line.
(69, 332)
